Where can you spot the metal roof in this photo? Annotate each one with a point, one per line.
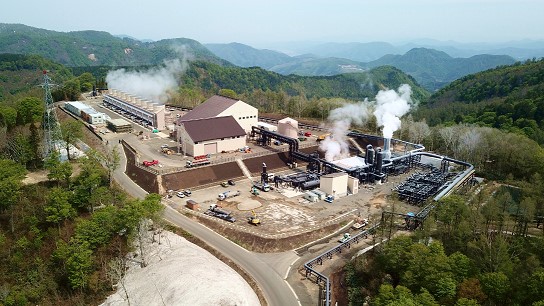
(209, 108)
(213, 128)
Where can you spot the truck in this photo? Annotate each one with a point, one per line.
(329, 199)
(150, 163)
(345, 238)
(264, 187)
(360, 224)
(196, 163)
(217, 212)
(227, 194)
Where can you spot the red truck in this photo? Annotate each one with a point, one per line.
(150, 163)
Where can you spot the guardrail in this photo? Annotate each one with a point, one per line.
(320, 278)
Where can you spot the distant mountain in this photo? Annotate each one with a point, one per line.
(431, 68)
(364, 52)
(94, 48)
(360, 52)
(246, 56)
(434, 69)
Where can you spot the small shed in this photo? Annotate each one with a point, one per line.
(321, 194)
(310, 196)
(353, 185)
(288, 127)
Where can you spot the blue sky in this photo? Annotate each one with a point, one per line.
(256, 22)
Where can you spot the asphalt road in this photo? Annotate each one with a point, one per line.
(276, 290)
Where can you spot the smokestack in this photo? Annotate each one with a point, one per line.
(387, 148)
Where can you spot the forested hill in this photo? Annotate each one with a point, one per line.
(93, 48)
(509, 98)
(355, 86)
(22, 74)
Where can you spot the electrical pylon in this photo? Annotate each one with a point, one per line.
(51, 128)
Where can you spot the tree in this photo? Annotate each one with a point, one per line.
(29, 109)
(471, 289)
(58, 171)
(418, 131)
(58, 208)
(229, 93)
(71, 130)
(496, 286)
(112, 161)
(79, 263)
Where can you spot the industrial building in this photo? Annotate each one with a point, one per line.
(335, 184)
(219, 124)
(219, 106)
(210, 135)
(153, 114)
(86, 112)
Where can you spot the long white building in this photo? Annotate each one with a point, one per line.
(151, 112)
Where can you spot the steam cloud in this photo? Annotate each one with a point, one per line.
(153, 84)
(388, 108)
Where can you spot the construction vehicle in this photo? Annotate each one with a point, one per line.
(217, 212)
(359, 224)
(167, 151)
(323, 136)
(345, 238)
(227, 194)
(254, 191)
(150, 163)
(254, 219)
(196, 163)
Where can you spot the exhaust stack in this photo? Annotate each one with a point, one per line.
(387, 148)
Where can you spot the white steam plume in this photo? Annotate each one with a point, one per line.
(153, 84)
(336, 146)
(390, 106)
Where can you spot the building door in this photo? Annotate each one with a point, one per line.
(210, 148)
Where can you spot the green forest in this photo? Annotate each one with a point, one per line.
(510, 98)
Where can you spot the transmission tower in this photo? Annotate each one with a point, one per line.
(51, 128)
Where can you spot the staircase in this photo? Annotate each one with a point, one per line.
(242, 166)
(356, 145)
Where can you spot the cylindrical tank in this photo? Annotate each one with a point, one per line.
(369, 155)
(310, 184)
(379, 161)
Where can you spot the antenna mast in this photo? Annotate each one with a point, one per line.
(51, 128)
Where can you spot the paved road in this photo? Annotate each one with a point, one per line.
(268, 270)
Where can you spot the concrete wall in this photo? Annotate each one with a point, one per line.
(201, 176)
(230, 144)
(245, 114)
(145, 179)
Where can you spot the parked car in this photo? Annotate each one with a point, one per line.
(180, 194)
(231, 182)
(187, 192)
(307, 134)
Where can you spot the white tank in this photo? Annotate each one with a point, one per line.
(288, 127)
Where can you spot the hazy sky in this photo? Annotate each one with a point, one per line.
(257, 22)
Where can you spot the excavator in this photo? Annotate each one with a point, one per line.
(254, 219)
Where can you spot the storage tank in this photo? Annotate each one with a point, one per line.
(369, 155)
(379, 161)
(310, 184)
(288, 127)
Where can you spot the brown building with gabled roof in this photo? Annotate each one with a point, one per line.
(210, 135)
(219, 106)
(218, 124)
